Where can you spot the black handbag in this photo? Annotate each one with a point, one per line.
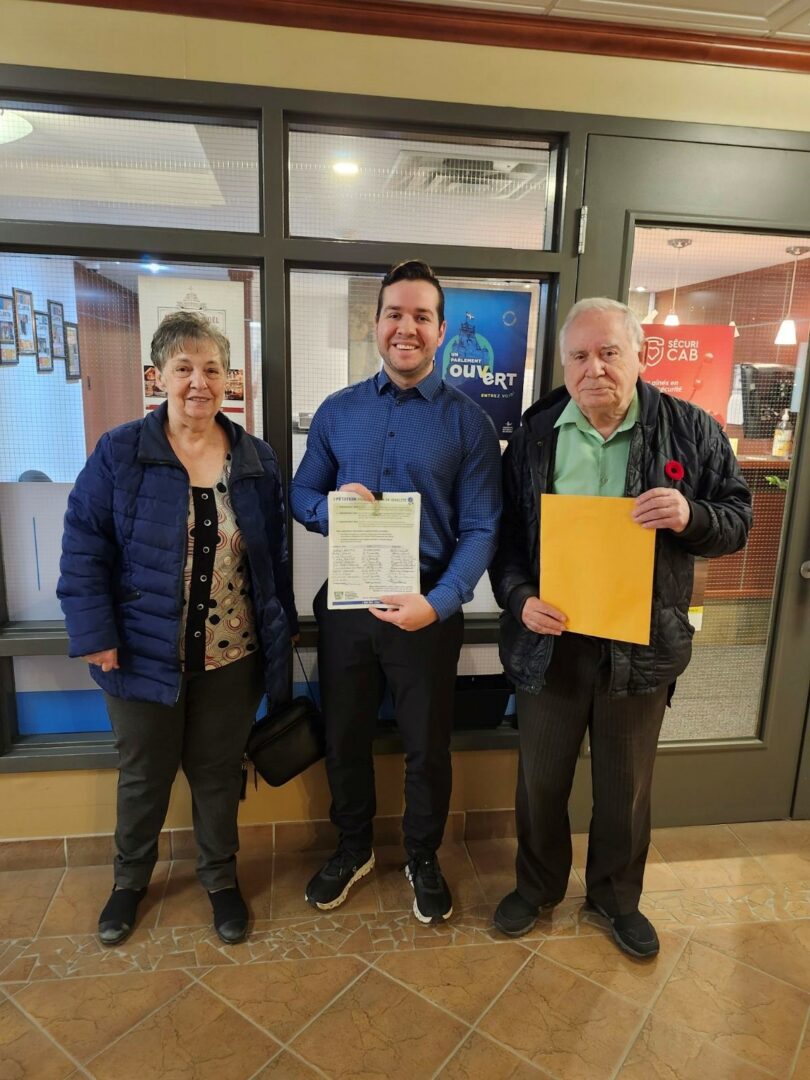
(288, 740)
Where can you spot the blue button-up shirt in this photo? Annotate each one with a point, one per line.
(432, 439)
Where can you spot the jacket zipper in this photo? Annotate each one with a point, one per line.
(184, 556)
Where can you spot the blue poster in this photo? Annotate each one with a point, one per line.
(484, 350)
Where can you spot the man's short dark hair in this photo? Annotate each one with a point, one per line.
(411, 270)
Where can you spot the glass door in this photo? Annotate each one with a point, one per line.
(722, 286)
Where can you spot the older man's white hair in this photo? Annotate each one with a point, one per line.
(604, 303)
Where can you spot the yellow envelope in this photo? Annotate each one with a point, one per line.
(596, 566)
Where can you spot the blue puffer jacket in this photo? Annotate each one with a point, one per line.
(124, 552)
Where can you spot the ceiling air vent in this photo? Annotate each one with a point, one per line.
(418, 172)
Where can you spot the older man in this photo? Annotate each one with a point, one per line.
(606, 432)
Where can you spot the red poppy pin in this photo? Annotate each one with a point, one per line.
(674, 470)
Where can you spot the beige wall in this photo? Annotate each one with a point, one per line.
(76, 803)
(53, 35)
(91, 39)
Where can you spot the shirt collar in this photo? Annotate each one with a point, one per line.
(572, 414)
(428, 388)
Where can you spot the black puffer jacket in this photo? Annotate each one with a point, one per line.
(668, 429)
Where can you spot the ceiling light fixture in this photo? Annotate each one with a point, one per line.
(346, 168)
(786, 334)
(679, 243)
(13, 126)
(731, 322)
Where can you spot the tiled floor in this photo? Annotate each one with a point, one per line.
(367, 993)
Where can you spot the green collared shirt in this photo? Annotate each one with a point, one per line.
(584, 462)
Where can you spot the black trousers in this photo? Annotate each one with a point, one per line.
(623, 740)
(357, 654)
(206, 732)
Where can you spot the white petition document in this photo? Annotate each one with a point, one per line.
(373, 548)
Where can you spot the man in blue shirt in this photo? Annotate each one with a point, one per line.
(404, 429)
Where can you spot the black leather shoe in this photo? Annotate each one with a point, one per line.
(515, 916)
(117, 920)
(230, 915)
(633, 933)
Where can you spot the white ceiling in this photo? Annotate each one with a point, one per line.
(782, 20)
(712, 254)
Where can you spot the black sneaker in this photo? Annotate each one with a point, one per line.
(633, 933)
(432, 900)
(117, 920)
(230, 914)
(330, 886)
(515, 916)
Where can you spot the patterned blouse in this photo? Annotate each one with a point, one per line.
(218, 613)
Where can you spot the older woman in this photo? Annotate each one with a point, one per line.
(176, 589)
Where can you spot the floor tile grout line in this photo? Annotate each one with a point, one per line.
(424, 997)
(50, 905)
(45, 1033)
(474, 1030)
(143, 1019)
(645, 1016)
(753, 967)
(446, 1061)
(649, 1009)
(744, 844)
(511, 1050)
(235, 1008)
(529, 957)
(159, 911)
(804, 1032)
(272, 900)
(702, 1038)
(600, 986)
(285, 1043)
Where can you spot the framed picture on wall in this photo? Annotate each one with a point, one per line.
(56, 313)
(24, 322)
(73, 367)
(43, 329)
(8, 335)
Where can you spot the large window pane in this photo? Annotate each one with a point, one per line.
(377, 186)
(116, 171)
(74, 362)
(713, 303)
(333, 344)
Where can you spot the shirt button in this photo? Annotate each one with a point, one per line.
(206, 550)
(205, 495)
(207, 521)
(400, 401)
(200, 607)
(203, 577)
(386, 472)
(391, 434)
(198, 633)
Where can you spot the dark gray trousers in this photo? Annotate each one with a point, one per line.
(623, 739)
(205, 732)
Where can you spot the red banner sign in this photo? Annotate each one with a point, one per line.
(692, 362)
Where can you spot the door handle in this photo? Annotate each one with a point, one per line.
(804, 569)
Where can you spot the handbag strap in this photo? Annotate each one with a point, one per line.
(304, 673)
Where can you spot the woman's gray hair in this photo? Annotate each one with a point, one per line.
(181, 327)
(633, 327)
